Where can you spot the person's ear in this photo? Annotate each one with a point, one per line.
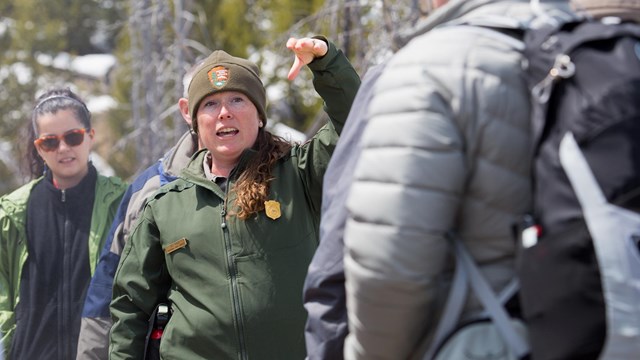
(40, 152)
(183, 106)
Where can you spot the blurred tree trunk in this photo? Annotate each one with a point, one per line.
(158, 33)
(179, 64)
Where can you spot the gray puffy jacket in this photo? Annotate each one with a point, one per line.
(446, 149)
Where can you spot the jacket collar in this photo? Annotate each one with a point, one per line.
(179, 156)
(195, 173)
(76, 193)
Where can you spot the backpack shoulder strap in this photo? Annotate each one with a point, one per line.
(468, 275)
(588, 31)
(452, 309)
(488, 298)
(548, 51)
(614, 232)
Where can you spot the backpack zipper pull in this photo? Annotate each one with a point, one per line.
(563, 68)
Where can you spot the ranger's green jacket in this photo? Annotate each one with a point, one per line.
(235, 286)
(13, 241)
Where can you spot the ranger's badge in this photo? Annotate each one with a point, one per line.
(272, 209)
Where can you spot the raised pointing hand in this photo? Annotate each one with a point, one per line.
(304, 50)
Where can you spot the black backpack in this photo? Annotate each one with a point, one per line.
(579, 263)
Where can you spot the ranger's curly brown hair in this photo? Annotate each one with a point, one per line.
(252, 187)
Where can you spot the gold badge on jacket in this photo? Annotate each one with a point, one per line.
(272, 209)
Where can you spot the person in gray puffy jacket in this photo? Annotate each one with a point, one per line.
(446, 150)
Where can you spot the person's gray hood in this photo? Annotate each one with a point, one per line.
(178, 156)
(482, 12)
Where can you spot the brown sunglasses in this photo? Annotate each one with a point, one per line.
(73, 137)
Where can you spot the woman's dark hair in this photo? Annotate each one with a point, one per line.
(252, 187)
(49, 103)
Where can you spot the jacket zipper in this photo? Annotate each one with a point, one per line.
(233, 275)
(65, 351)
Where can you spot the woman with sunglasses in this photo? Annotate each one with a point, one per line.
(51, 232)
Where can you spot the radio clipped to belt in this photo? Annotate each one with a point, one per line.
(157, 322)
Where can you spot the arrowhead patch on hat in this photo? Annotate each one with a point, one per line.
(219, 76)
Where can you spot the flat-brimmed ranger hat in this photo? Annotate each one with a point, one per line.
(223, 72)
(624, 9)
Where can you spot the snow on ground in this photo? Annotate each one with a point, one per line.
(96, 65)
(101, 103)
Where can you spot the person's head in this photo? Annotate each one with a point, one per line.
(624, 9)
(61, 137)
(227, 103)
